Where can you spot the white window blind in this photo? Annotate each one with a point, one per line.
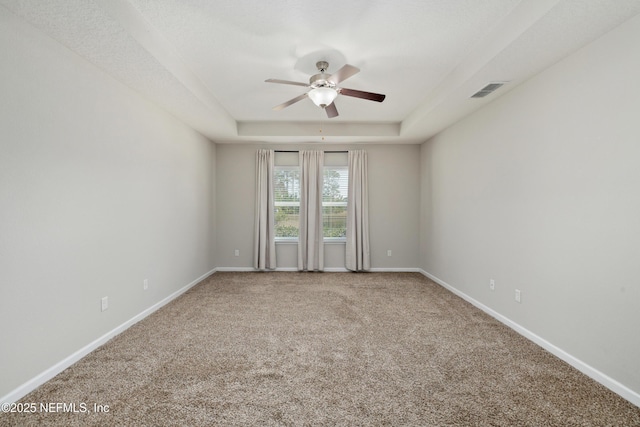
(334, 202)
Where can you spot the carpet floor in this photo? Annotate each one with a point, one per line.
(336, 349)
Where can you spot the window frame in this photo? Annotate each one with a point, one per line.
(296, 239)
(329, 204)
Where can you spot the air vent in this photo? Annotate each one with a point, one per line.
(488, 89)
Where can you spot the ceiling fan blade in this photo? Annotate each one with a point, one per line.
(331, 110)
(361, 94)
(289, 102)
(286, 82)
(343, 73)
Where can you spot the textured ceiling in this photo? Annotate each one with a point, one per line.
(206, 61)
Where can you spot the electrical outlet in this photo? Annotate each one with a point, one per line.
(104, 303)
(145, 284)
(518, 299)
(492, 284)
(389, 252)
(237, 253)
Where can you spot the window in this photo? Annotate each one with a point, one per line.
(334, 202)
(287, 202)
(286, 185)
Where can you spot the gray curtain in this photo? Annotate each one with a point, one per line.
(357, 257)
(310, 240)
(264, 252)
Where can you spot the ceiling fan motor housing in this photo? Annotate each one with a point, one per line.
(321, 79)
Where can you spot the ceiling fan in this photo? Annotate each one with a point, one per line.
(324, 88)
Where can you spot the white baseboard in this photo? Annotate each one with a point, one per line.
(51, 372)
(249, 269)
(395, 270)
(586, 369)
(375, 270)
(237, 269)
(327, 269)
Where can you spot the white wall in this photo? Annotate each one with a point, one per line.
(394, 172)
(540, 190)
(99, 190)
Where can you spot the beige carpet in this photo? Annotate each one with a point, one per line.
(298, 349)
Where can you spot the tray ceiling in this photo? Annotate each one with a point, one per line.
(206, 61)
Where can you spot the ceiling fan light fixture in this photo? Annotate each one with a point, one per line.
(323, 96)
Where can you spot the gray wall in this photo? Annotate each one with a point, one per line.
(394, 172)
(99, 190)
(540, 190)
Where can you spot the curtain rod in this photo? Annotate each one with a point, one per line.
(297, 151)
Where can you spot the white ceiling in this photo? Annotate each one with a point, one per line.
(205, 61)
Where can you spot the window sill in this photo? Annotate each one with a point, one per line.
(287, 242)
(327, 241)
(334, 241)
